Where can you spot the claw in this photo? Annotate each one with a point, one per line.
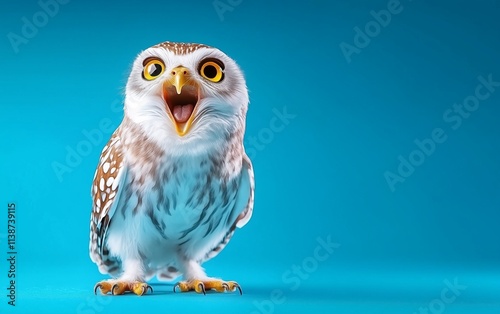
(113, 289)
(146, 289)
(225, 286)
(97, 286)
(201, 286)
(237, 286)
(176, 285)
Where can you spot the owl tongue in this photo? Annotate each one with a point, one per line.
(182, 112)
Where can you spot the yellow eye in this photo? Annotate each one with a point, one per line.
(212, 70)
(153, 68)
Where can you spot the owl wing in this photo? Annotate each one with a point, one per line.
(246, 193)
(110, 174)
(245, 200)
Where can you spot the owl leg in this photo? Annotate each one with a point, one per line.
(130, 281)
(197, 280)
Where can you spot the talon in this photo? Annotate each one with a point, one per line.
(225, 286)
(97, 286)
(176, 285)
(237, 286)
(150, 288)
(201, 286)
(113, 289)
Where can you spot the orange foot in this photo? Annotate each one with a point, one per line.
(202, 286)
(117, 287)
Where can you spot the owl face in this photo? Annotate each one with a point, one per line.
(185, 91)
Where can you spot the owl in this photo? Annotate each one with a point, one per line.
(174, 182)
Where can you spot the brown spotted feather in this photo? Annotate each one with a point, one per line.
(180, 48)
(104, 192)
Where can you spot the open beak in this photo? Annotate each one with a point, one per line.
(181, 94)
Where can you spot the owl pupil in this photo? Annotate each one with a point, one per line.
(210, 71)
(155, 70)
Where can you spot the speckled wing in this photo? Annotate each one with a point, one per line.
(110, 174)
(245, 200)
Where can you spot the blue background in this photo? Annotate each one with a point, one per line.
(321, 175)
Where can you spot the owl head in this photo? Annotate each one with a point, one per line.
(186, 94)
